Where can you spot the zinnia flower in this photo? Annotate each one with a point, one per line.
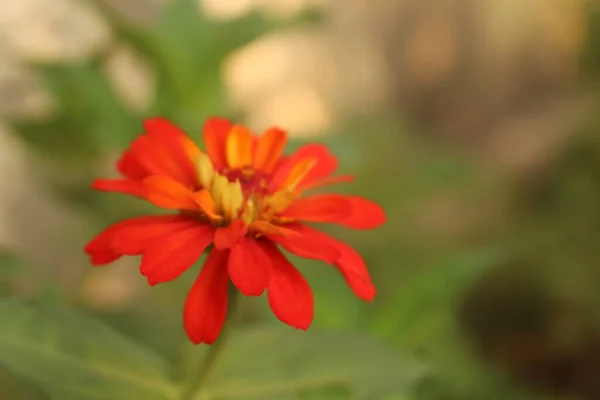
(243, 201)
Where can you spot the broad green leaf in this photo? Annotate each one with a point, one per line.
(426, 303)
(275, 362)
(331, 392)
(70, 356)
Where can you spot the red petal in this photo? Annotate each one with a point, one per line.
(326, 164)
(348, 262)
(307, 246)
(229, 236)
(135, 239)
(216, 131)
(129, 166)
(172, 255)
(99, 248)
(126, 186)
(102, 248)
(366, 214)
(289, 294)
(249, 267)
(171, 138)
(205, 308)
(320, 208)
(168, 193)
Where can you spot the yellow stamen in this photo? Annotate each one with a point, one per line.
(205, 169)
(239, 147)
(281, 200)
(249, 213)
(233, 199)
(217, 190)
(298, 172)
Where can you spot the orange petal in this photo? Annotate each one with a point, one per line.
(269, 148)
(168, 193)
(327, 181)
(239, 147)
(326, 164)
(215, 134)
(281, 200)
(297, 173)
(206, 204)
(190, 149)
(267, 228)
(320, 208)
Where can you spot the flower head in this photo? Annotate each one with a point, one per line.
(243, 201)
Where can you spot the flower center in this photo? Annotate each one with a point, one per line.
(231, 194)
(253, 182)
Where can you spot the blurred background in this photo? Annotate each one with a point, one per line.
(473, 122)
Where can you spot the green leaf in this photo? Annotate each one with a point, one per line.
(75, 357)
(331, 392)
(279, 363)
(426, 303)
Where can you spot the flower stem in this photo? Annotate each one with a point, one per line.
(202, 373)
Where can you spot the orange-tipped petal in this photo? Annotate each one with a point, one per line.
(215, 134)
(125, 186)
(325, 165)
(269, 147)
(297, 173)
(191, 149)
(281, 200)
(327, 182)
(289, 294)
(249, 267)
(267, 228)
(366, 214)
(206, 204)
(320, 208)
(205, 308)
(170, 257)
(168, 193)
(239, 147)
(230, 236)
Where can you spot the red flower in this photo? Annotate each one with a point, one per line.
(247, 200)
